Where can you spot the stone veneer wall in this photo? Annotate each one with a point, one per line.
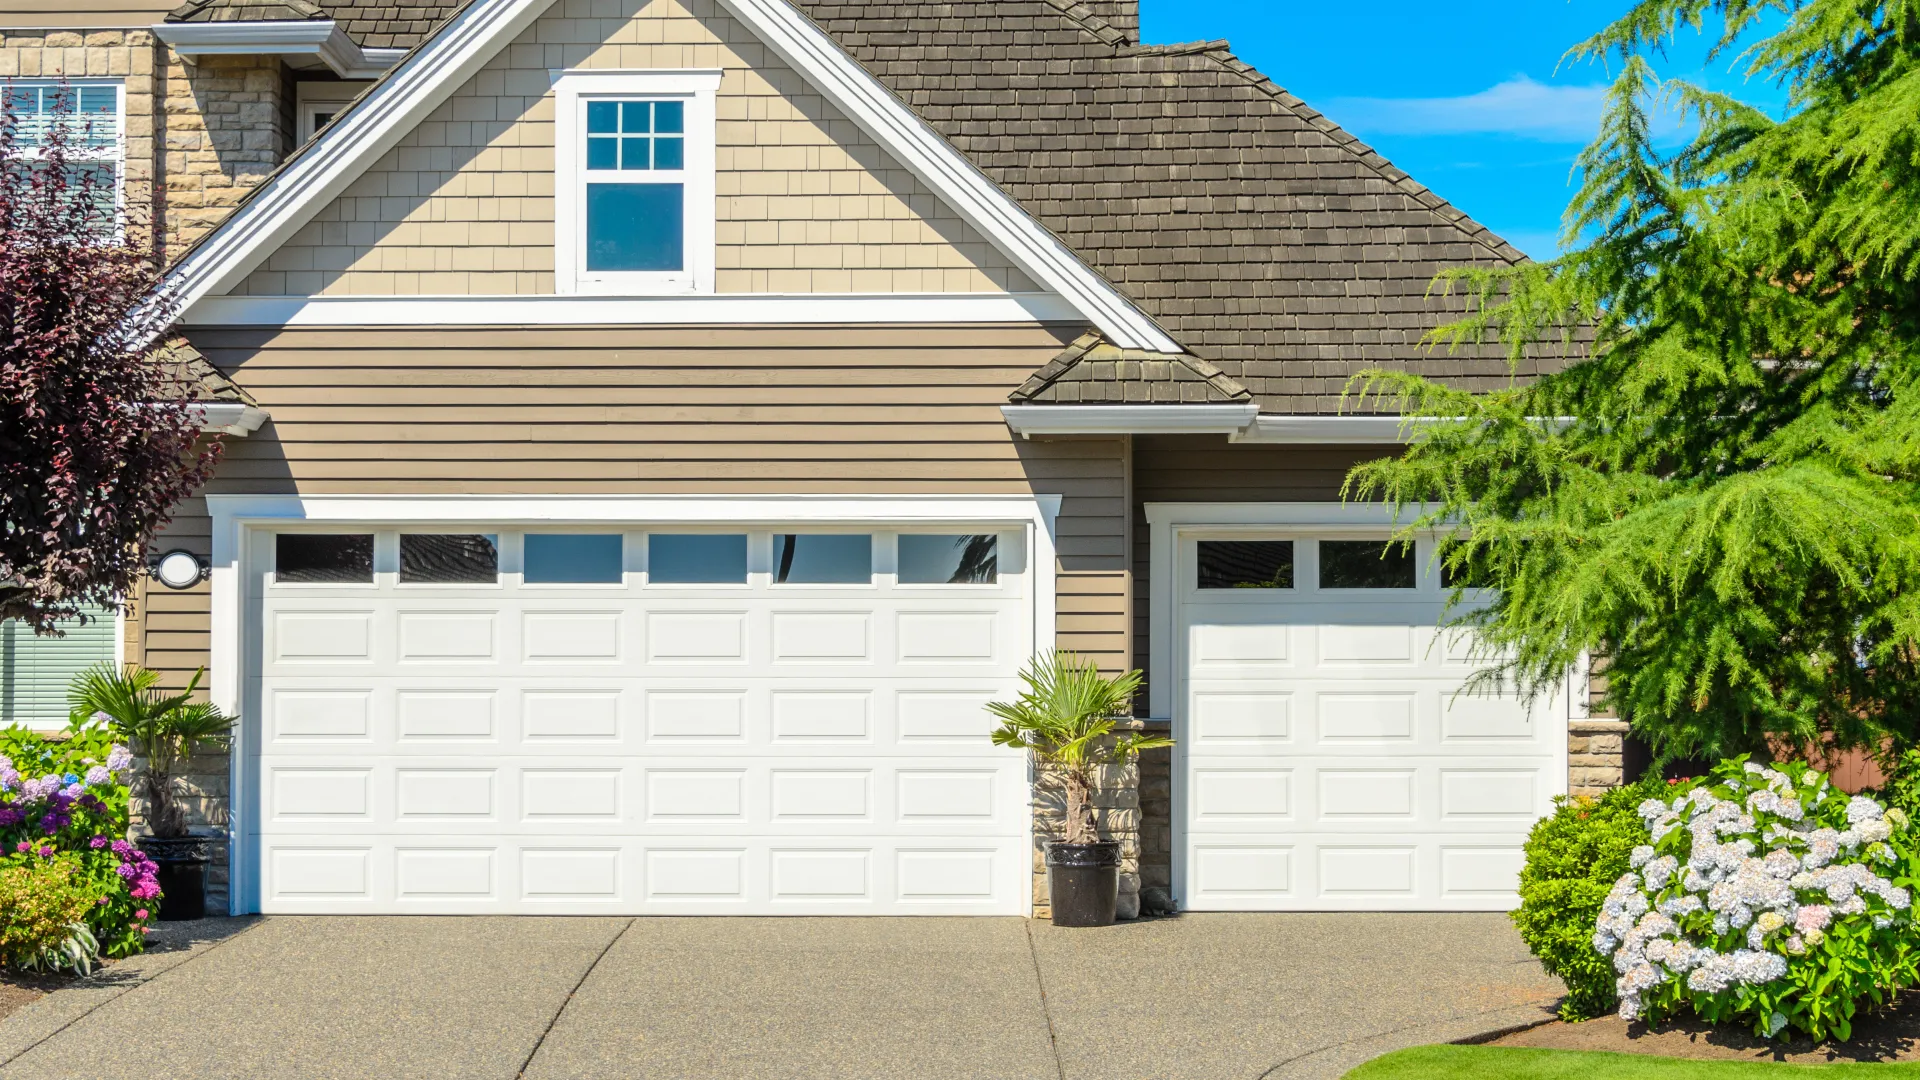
(1116, 808)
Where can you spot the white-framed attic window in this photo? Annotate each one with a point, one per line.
(93, 112)
(633, 183)
(318, 101)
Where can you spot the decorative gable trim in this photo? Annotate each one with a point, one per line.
(318, 173)
(322, 170)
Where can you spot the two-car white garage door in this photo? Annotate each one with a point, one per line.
(491, 719)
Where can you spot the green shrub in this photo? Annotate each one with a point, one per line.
(44, 907)
(1574, 856)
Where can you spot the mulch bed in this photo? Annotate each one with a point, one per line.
(1893, 1035)
(16, 989)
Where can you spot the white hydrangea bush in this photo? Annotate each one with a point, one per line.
(1767, 896)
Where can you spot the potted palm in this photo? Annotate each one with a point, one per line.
(165, 729)
(1066, 719)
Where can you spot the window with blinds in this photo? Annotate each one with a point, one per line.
(91, 115)
(35, 670)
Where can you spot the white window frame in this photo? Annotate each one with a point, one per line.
(572, 90)
(115, 154)
(313, 97)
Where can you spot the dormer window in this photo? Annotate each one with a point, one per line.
(634, 192)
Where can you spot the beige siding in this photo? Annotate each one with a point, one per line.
(667, 410)
(805, 202)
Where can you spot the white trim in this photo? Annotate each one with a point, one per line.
(429, 76)
(231, 418)
(572, 90)
(628, 310)
(233, 515)
(1329, 429)
(321, 39)
(313, 96)
(854, 91)
(391, 110)
(1031, 420)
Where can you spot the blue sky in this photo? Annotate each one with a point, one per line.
(1466, 98)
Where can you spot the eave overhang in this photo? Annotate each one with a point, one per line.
(310, 43)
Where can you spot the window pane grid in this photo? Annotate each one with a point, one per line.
(636, 136)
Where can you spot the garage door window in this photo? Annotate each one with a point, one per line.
(571, 559)
(822, 559)
(448, 559)
(1246, 564)
(323, 559)
(1365, 564)
(946, 559)
(697, 558)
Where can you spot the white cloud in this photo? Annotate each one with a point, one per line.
(1518, 107)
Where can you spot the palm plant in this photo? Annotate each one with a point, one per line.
(1066, 717)
(164, 728)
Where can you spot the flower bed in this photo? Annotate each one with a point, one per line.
(1767, 896)
(71, 887)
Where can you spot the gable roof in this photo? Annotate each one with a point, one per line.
(322, 169)
(1265, 239)
(1094, 371)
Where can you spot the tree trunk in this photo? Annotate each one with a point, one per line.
(1080, 827)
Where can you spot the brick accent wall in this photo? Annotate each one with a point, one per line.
(804, 201)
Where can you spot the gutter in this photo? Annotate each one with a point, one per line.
(1328, 429)
(321, 39)
(1031, 420)
(230, 418)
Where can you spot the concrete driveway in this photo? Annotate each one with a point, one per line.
(1198, 997)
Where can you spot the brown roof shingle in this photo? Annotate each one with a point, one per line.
(1094, 371)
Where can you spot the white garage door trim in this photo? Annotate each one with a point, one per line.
(237, 517)
(1169, 523)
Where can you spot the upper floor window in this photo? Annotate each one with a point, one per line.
(635, 191)
(89, 115)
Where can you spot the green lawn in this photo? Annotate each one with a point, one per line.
(1518, 1063)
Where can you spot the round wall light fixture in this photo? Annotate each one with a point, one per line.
(179, 569)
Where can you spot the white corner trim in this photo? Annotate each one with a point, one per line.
(1031, 420)
(727, 308)
(324, 169)
(321, 39)
(696, 89)
(231, 418)
(854, 91)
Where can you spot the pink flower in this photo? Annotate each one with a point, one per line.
(146, 929)
(140, 914)
(23, 846)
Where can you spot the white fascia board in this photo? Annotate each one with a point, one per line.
(1031, 420)
(231, 418)
(723, 309)
(319, 38)
(391, 109)
(903, 134)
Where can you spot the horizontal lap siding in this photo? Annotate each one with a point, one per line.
(670, 410)
(1202, 469)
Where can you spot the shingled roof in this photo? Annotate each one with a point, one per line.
(214, 11)
(1273, 245)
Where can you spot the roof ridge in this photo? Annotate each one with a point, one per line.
(1184, 48)
(1089, 21)
(1369, 157)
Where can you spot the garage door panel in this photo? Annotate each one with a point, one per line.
(685, 748)
(1331, 759)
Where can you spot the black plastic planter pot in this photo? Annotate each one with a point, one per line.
(183, 874)
(1084, 882)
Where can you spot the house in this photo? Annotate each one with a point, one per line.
(655, 428)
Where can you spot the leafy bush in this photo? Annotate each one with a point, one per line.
(1766, 895)
(44, 909)
(64, 801)
(1574, 856)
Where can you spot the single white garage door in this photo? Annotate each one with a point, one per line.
(752, 721)
(1328, 762)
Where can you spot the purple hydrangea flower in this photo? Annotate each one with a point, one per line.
(99, 774)
(119, 759)
(97, 843)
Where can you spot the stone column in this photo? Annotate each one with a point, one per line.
(1596, 756)
(1116, 810)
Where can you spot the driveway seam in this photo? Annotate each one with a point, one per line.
(49, 1036)
(568, 1000)
(1040, 980)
